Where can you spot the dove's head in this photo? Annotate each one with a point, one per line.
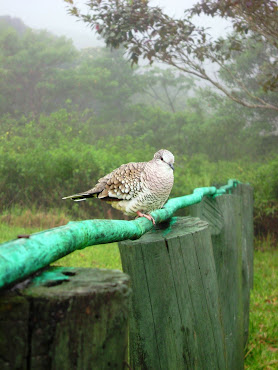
(163, 157)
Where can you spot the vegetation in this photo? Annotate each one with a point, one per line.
(148, 31)
(262, 350)
(69, 116)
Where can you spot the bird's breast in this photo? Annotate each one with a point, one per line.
(159, 179)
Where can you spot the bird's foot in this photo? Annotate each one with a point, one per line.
(149, 217)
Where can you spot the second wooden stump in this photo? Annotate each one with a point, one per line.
(175, 318)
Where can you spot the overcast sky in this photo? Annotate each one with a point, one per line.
(52, 15)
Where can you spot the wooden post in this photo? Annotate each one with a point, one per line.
(227, 248)
(245, 192)
(235, 214)
(66, 319)
(175, 317)
(247, 208)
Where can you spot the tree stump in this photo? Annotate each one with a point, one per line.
(66, 318)
(175, 319)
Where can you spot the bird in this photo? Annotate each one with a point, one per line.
(136, 188)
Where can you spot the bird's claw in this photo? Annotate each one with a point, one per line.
(149, 217)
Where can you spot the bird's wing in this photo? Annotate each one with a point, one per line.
(124, 183)
(121, 184)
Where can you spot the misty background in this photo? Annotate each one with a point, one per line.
(52, 15)
(72, 110)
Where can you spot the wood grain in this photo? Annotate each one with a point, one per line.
(66, 319)
(175, 317)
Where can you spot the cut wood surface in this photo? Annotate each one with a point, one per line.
(175, 317)
(67, 318)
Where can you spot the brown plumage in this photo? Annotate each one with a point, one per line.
(135, 187)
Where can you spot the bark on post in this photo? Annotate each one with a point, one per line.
(67, 318)
(175, 317)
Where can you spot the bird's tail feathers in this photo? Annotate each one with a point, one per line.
(81, 196)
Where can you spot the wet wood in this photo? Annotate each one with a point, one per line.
(217, 215)
(66, 319)
(233, 252)
(175, 317)
(227, 248)
(245, 192)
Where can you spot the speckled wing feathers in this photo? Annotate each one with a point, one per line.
(124, 183)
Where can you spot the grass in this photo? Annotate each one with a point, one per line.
(262, 349)
(8, 232)
(34, 218)
(100, 256)
(97, 256)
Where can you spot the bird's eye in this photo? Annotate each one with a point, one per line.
(161, 158)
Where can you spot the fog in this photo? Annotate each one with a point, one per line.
(52, 15)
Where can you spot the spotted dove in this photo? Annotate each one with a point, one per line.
(136, 188)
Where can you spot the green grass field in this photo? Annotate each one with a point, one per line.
(262, 350)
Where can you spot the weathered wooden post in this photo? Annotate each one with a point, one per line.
(227, 248)
(66, 318)
(231, 225)
(175, 318)
(245, 192)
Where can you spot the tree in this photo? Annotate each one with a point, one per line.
(30, 65)
(40, 73)
(253, 15)
(258, 18)
(148, 32)
(253, 60)
(166, 88)
(106, 77)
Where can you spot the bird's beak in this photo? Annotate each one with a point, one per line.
(172, 166)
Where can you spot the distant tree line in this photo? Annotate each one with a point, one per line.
(40, 72)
